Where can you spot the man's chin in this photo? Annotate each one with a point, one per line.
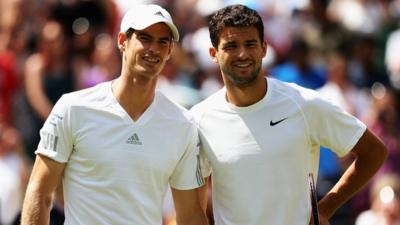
(243, 81)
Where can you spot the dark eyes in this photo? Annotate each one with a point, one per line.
(144, 38)
(148, 39)
(164, 42)
(233, 46)
(229, 47)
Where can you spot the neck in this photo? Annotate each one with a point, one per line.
(248, 95)
(134, 94)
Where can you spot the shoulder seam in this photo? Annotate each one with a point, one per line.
(301, 110)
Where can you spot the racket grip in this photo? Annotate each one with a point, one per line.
(313, 199)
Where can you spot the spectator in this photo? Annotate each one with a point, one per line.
(385, 202)
(48, 73)
(364, 70)
(14, 174)
(339, 88)
(103, 64)
(299, 69)
(392, 57)
(383, 119)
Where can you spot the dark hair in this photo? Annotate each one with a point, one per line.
(234, 16)
(129, 33)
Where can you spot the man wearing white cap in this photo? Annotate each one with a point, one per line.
(118, 145)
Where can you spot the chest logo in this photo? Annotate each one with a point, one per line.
(134, 139)
(273, 123)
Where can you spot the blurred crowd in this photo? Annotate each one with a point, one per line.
(349, 50)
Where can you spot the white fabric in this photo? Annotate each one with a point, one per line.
(392, 54)
(141, 16)
(353, 100)
(369, 217)
(118, 170)
(259, 171)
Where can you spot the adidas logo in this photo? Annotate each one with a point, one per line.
(134, 139)
(159, 14)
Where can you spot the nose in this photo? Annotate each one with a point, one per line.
(242, 53)
(154, 47)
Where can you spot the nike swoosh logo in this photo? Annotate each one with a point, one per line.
(272, 123)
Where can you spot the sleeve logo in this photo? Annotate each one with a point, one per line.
(50, 141)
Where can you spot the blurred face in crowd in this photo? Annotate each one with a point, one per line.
(146, 51)
(9, 139)
(239, 54)
(386, 108)
(53, 43)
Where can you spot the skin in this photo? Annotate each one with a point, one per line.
(45, 177)
(239, 55)
(143, 57)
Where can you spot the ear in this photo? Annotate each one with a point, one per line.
(264, 46)
(121, 41)
(213, 53)
(171, 48)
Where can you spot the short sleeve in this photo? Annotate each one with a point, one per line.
(187, 173)
(332, 127)
(56, 141)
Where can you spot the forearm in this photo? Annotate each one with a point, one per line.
(354, 178)
(341, 192)
(40, 103)
(36, 208)
(34, 72)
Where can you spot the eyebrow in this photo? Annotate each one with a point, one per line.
(229, 43)
(142, 33)
(252, 41)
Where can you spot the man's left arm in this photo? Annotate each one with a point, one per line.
(370, 153)
(187, 207)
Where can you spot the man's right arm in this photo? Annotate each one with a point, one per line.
(45, 177)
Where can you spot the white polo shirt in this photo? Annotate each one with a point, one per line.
(117, 169)
(260, 155)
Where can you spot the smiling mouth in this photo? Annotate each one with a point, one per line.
(151, 59)
(242, 65)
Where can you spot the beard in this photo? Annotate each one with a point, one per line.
(239, 81)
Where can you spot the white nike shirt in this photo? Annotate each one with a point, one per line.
(117, 169)
(260, 155)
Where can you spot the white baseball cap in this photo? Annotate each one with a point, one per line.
(140, 17)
